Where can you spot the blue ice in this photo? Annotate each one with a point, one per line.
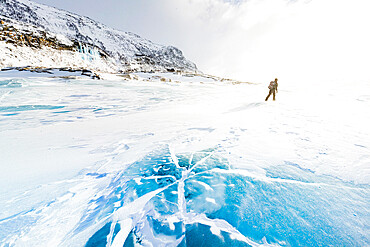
(290, 206)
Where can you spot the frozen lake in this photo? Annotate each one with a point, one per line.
(186, 161)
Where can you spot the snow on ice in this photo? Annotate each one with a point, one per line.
(162, 159)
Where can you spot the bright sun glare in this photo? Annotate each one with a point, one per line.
(323, 41)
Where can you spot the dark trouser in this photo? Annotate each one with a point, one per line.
(272, 91)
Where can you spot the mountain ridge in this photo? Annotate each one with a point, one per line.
(126, 50)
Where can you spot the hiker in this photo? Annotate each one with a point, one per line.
(273, 87)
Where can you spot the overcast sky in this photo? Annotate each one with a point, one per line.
(252, 40)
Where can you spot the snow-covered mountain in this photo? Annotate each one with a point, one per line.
(121, 51)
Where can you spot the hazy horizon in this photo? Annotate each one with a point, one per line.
(249, 40)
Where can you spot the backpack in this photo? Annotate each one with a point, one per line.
(272, 85)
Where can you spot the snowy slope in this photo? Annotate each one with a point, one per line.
(129, 50)
(46, 57)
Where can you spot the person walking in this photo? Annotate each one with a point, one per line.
(273, 89)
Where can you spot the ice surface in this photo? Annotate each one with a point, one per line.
(147, 162)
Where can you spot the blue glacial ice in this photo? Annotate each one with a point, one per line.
(199, 200)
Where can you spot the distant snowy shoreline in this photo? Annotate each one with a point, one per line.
(81, 73)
